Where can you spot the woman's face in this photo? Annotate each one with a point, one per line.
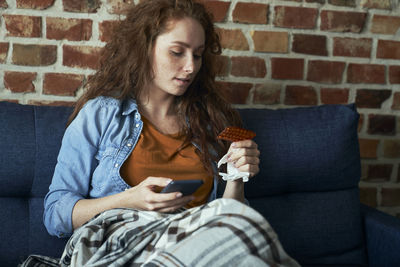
(177, 57)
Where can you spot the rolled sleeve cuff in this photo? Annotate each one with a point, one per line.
(59, 220)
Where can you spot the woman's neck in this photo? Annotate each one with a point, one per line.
(161, 112)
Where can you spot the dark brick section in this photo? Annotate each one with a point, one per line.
(367, 98)
(325, 71)
(368, 196)
(348, 3)
(287, 68)
(310, 44)
(379, 172)
(300, 95)
(82, 6)
(341, 21)
(382, 124)
(235, 93)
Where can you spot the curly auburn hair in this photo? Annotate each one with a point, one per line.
(126, 68)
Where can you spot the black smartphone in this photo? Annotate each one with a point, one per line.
(186, 187)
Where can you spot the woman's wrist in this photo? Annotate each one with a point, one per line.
(234, 189)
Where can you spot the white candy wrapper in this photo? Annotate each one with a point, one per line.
(233, 172)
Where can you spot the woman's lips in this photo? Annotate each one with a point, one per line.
(182, 81)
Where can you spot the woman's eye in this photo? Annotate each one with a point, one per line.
(176, 53)
(197, 56)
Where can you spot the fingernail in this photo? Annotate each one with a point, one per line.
(233, 144)
(178, 194)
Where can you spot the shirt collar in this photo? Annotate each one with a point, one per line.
(129, 106)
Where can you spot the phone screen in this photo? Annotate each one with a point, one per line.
(186, 187)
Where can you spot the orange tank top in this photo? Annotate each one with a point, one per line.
(156, 154)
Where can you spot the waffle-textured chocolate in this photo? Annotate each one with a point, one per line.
(235, 134)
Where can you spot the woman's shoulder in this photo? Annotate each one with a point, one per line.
(103, 102)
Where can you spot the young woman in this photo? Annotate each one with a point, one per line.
(151, 114)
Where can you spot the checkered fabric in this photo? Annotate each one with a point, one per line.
(223, 232)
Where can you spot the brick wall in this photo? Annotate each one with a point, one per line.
(276, 54)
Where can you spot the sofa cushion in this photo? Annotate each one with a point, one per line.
(307, 187)
(30, 140)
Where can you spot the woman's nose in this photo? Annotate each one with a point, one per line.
(189, 64)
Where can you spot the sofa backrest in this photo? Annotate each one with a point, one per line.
(307, 187)
(30, 137)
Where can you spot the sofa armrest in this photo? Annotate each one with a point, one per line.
(382, 233)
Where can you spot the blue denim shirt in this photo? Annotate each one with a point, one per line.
(94, 147)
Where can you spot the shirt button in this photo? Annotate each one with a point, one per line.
(137, 125)
(129, 144)
(116, 165)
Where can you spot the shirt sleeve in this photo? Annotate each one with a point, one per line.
(75, 164)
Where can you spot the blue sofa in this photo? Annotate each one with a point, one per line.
(307, 187)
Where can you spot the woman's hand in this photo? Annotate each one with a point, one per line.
(144, 196)
(245, 156)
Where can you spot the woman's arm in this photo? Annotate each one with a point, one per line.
(140, 197)
(245, 156)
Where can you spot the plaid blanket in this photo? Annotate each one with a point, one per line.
(223, 232)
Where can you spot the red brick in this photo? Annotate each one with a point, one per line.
(3, 4)
(250, 13)
(334, 95)
(295, 17)
(9, 100)
(248, 67)
(235, 93)
(391, 148)
(396, 101)
(360, 122)
(267, 94)
(390, 197)
(385, 24)
(34, 55)
(379, 172)
(368, 148)
(368, 98)
(82, 6)
(81, 56)
(300, 95)
(69, 29)
(352, 47)
(3, 52)
(381, 124)
(398, 174)
(62, 84)
(118, 6)
(233, 39)
(51, 103)
(310, 44)
(325, 71)
(388, 49)
(35, 4)
(19, 82)
(394, 74)
(271, 42)
(348, 3)
(378, 4)
(363, 73)
(222, 65)
(106, 29)
(368, 196)
(342, 21)
(23, 26)
(218, 9)
(287, 68)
